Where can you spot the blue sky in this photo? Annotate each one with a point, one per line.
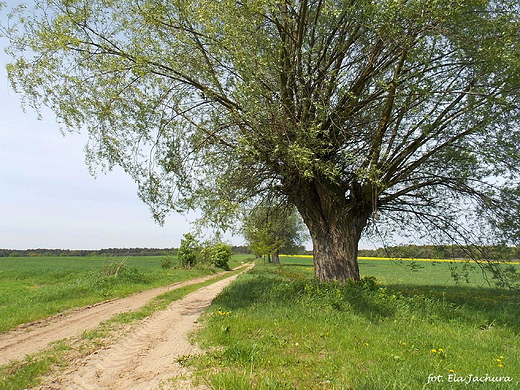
(49, 200)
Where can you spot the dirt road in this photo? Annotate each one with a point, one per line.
(143, 359)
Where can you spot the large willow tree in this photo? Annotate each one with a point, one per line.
(358, 112)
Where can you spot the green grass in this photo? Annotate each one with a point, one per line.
(25, 374)
(29, 371)
(39, 287)
(276, 328)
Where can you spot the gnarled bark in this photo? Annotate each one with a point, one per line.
(335, 224)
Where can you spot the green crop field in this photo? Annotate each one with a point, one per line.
(409, 325)
(414, 271)
(32, 288)
(402, 328)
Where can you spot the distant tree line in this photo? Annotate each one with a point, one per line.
(404, 251)
(102, 252)
(444, 252)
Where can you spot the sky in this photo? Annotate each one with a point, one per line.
(48, 199)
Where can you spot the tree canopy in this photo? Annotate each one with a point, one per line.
(360, 113)
(271, 229)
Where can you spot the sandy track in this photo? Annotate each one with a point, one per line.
(146, 357)
(34, 337)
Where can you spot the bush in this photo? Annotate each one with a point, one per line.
(114, 267)
(204, 255)
(166, 262)
(220, 255)
(188, 251)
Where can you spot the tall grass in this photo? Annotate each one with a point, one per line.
(29, 371)
(277, 328)
(35, 288)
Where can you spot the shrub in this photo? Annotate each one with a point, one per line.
(166, 262)
(114, 267)
(220, 255)
(188, 251)
(204, 255)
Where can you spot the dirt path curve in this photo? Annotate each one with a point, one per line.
(34, 337)
(145, 358)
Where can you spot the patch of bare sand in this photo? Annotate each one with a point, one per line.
(31, 338)
(146, 358)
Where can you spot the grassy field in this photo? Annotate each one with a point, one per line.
(32, 288)
(409, 328)
(29, 372)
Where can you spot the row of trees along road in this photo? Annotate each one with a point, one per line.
(365, 115)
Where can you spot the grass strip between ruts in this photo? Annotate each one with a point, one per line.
(29, 372)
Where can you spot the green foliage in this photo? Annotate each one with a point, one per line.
(392, 113)
(188, 251)
(166, 262)
(270, 229)
(220, 255)
(217, 254)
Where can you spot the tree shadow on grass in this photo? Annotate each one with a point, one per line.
(474, 305)
(285, 287)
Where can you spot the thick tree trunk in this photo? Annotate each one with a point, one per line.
(335, 224)
(276, 258)
(335, 244)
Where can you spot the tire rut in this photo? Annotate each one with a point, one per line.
(34, 337)
(146, 357)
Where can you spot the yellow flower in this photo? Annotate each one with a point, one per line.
(501, 357)
(452, 371)
(441, 350)
(500, 365)
(366, 344)
(433, 351)
(498, 360)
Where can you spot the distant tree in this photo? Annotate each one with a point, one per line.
(359, 113)
(187, 254)
(270, 229)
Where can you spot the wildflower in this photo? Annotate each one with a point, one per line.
(367, 344)
(452, 371)
(433, 351)
(223, 313)
(440, 350)
(498, 360)
(501, 357)
(500, 365)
